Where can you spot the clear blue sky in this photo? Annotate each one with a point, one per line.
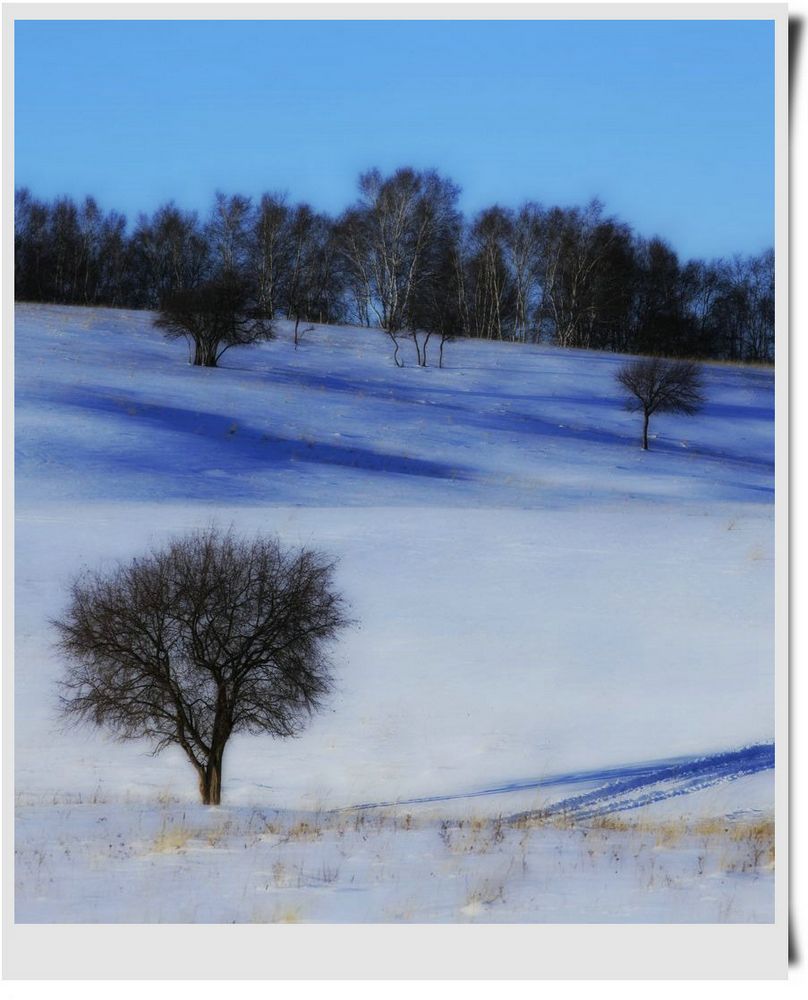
(669, 122)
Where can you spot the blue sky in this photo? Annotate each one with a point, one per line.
(671, 123)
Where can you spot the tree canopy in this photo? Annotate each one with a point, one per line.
(209, 636)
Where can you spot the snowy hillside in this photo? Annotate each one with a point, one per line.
(335, 423)
(534, 594)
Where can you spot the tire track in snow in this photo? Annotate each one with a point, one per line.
(620, 788)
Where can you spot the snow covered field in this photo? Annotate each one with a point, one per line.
(535, 596)
(179, 864)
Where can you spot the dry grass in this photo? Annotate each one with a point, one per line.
(171, 839)
(666, 830)
(281, 876)
(425, 866)
(303, 830)
(219, 834)
(476, 835)
(663, 833)
(754, 842)
(483, 896)
(718, 844)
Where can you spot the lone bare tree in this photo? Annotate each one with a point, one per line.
(212, 318)
(210, 636)
(656, 385)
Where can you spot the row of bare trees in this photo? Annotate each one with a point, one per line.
(77, 254)
(579, 278)
(403, 258)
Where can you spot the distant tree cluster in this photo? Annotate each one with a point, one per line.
(579, 278)
(284, 254)
(403, 258)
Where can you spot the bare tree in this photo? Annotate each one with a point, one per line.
(352, 237)
(302, 233)
(227, 232)
(386, 241)
(573, 275)
(655, 385)
(527, 233)
(575, 253)
(213, 318)
(437, 306)
(210, 636)
(490, 284)
(662, 323)
(743, 311)
(169, 252)
(325, 274)
(269, 250)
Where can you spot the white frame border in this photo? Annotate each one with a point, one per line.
(380, 951)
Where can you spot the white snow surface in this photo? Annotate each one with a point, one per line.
(534, 594)
(108, 410)
(106, 863)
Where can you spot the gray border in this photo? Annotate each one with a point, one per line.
(518, 951)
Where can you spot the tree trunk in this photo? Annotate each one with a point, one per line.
(646, 417)
(398, 363)
(210, 777)
(210, 780)
(204, 355)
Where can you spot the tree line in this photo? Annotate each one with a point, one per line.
(403, 257)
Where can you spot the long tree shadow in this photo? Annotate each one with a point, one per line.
(247, 448)
(517, 421)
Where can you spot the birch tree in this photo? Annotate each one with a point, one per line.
(386, 240)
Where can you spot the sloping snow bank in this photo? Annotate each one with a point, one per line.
(492, 646)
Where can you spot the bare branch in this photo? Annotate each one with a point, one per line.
(657, 385)
(207, 637)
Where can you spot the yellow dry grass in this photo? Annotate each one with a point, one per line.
(171, 839)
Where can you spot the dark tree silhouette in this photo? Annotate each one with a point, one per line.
(655, 385)
(210, 636)
(212, 318)
(167, 253)
(302, 233)
(227, 232)
(574, 276)
(489, 284)
(437, 306)
(268, 250)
